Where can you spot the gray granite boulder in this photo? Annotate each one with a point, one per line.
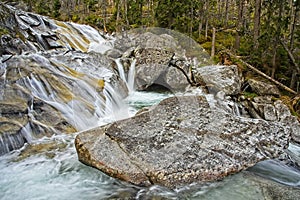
(153, 54)
(180, 141)
(263, 88)
(219, 78)
(272, 109)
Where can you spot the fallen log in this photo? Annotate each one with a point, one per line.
(263, 74)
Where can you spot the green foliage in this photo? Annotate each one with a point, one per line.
(249, 95)
(42, 7)
(135, 12)
(91, 4)
(75, 18)
(94, 20)
(56, 7)
(3, 31)
(190, 17)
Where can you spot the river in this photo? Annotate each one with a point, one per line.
(52, 171)
(49, 168)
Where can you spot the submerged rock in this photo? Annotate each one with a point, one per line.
(180, 141)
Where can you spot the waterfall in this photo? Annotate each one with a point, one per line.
(60, 92)
(81, 37)
(130, 77)
(236, 109)
(2, 78)
(115, 108)
(121, 70)
(70, 89)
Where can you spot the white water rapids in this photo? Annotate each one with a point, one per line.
(52, 170)
(57, 174)
(81, 88)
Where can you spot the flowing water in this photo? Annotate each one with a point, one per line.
(54, 172)
(48, 168)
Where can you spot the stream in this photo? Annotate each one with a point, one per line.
(59, 91)
(53, 171)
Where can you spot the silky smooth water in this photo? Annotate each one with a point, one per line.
(49, 168)
(56, 173)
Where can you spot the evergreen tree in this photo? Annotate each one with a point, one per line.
(56, 7)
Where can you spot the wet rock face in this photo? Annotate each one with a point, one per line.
(28, 32)
(180, 141)
(39, 91)
(50, 70)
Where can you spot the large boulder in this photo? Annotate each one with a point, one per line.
(150, 65)
(263, 88)
(160, 60)
(180, 141)
(219, 78)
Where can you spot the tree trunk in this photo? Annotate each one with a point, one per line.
(104, 16)
(274, 66)
(213, 43)
(126, 12)
(118, 15)
(294, 22)
(206, 11)
(191, 22)
(226, 12)
(206, 29)
(294, 68)
(239, 24)
(256, 23)
(200, 27)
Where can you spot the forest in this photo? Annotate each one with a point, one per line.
(263, 33)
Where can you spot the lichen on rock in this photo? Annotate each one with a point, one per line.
(180, 141)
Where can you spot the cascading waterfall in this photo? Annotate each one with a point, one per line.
(2, 78)
(130, 76)
(121, 69)
(76, 89)
(75, 85)
(84, 100)
(81, 37)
